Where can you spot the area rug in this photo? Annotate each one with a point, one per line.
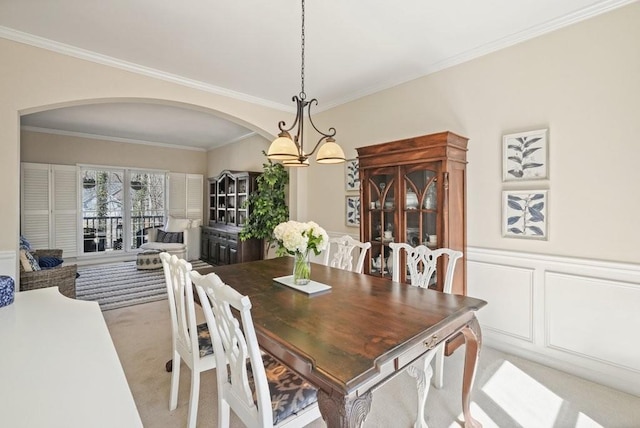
(116, 285)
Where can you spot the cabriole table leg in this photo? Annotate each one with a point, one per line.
(473, 341)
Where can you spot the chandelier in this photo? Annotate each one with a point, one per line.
(290, 150)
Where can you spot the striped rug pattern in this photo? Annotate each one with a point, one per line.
(116, 285)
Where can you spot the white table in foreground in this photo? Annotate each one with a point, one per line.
(58, 366)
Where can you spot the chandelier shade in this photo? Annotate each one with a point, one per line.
(330, 152)
(283, 148)
(290, 150)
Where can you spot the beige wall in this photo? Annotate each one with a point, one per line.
(582, 82)
(245, 155)
(67, 150)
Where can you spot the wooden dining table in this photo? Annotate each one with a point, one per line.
(351, 339)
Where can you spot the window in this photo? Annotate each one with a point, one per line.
(118, 206)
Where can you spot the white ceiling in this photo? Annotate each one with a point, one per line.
(251, 50)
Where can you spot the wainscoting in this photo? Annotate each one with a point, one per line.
(580, 316)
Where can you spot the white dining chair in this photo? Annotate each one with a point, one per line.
(190, 342)
(422, 263)
(279, 397)
(340, 252)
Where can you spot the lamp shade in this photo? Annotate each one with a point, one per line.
(283, 148)
(330, 152)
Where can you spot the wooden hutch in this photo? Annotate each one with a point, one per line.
(227, 215)
(413, 191)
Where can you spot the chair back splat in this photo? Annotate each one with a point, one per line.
(422, 264)
(339, 253)
(279, 397)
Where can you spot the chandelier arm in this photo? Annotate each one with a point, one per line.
(331, 132)
(282, 123)
(323, 138)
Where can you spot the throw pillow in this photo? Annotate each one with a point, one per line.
(170, 237)
(177, 224)
(24, 244)
(49, 262)
(29, 263)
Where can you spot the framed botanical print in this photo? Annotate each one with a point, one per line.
(524, 214)
(352, 207)
(351, 175)
(525, 156)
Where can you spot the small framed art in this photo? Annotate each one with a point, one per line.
(524, 214)
(351, 175)
(352, 207)
(525, 156)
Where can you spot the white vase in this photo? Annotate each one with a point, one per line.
(412, 200)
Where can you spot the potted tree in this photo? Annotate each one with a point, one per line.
(267, 205)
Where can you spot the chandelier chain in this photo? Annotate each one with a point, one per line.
(290, 148)
(302, 94)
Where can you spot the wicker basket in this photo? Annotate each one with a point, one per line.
(63, 277)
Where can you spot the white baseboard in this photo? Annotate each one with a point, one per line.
(576, 315)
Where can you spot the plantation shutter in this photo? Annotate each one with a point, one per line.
(186, 195)
(49, 206)
(195, 189)
(34, 200)
(177, 195)
(65, 209)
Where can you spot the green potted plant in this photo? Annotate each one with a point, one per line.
(267, 205)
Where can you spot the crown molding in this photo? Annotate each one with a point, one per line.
(107, 138)
(234, 140)
(41, 42)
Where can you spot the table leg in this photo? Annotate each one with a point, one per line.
(341, 412)
(473, 341)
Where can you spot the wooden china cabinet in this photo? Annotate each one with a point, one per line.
(227, 215)
(413, 191)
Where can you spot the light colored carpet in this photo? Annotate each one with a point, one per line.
(117, 285)
(508, 391)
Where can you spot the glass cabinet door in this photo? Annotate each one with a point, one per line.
(221, 199)
(381, 188)
(420, 209)
(401, 205)
(242, 194)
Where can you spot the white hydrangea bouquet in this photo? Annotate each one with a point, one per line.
(298, 239)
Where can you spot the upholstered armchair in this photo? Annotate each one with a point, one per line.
(62, 276)
(180, 237)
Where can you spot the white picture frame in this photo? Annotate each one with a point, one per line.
(352, 211)
(525, 156)
(525, 214)
(351, 175)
